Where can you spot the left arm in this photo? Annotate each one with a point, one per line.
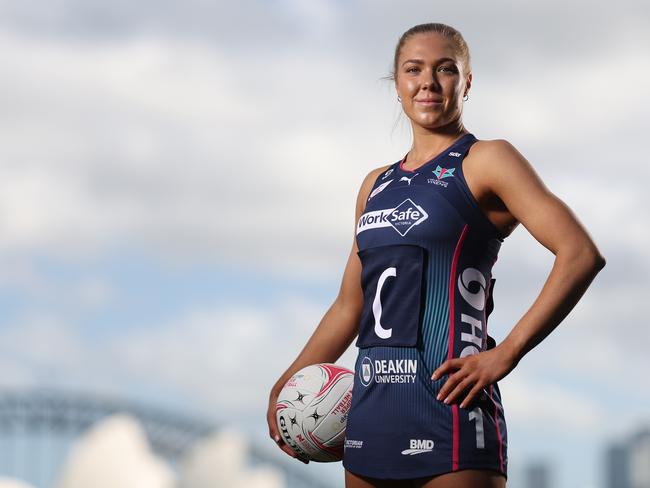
(577, 261)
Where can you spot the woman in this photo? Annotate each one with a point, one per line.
(417, 287)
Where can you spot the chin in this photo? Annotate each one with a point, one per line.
(429, 124)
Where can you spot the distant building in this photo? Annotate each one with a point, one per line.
(538, 475)
(627, 463)
(616, 467)
(639, 459)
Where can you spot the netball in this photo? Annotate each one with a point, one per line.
(312, 411)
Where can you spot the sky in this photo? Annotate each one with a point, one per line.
(177, 189)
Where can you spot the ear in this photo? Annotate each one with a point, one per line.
(468, 82)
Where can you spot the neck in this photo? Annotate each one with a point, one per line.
(428, 143)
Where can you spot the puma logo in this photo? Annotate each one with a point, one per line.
(406, 178)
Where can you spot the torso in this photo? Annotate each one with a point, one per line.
(426, 250)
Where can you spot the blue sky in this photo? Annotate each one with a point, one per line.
(178, 183)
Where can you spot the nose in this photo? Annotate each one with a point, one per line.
(430, 81)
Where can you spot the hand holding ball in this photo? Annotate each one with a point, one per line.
(312, 411)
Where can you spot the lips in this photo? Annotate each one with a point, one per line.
(427, 103)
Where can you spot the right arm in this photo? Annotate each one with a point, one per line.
(339, 326)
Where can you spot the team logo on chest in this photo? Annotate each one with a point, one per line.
(402, 218)
(441, 173)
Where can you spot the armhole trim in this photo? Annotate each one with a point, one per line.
(472, 200)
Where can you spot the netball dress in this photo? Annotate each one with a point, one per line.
(427, 253)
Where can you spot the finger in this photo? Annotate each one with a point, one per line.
(449, 385)
(449, 365)
(286, 448)
(274, 434)
(471, 395)
(458, 390)
(280, 441)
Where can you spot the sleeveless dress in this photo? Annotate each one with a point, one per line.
(427, 253)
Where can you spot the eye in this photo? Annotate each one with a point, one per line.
(412, 68)
(449, 69)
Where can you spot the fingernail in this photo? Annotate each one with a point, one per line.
(447, 400)
(433, 376)
(277, 438)
(439, 397)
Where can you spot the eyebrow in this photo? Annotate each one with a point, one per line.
(419, 61)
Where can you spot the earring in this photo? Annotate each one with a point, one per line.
(399, 99)
(466, 97)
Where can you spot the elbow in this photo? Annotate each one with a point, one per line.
(595, 260)
(586, 257)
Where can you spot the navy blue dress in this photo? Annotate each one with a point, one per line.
(427, 253)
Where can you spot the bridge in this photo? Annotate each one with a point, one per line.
(38, 426)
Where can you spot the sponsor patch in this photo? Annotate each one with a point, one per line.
(388, 371)
(402, 218)
(418, 446)
(378, 189)
(352, 444)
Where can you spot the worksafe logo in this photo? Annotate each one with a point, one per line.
(402, 218)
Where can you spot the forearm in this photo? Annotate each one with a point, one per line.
(335, 332)
(572, 273)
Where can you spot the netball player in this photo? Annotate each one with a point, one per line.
(417, 288)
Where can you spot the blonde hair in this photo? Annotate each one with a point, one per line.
(445, 31)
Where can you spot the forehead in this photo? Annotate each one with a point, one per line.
(428, 45)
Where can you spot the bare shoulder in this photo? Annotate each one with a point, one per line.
(499, 165)
(374, 173)
(369, 180)
(497, 152)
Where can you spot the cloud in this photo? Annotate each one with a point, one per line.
(221, 460)
(143, 143)
(12, 483)
(225, 358)
(530, 403)
(229, 357)
(115, 452)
